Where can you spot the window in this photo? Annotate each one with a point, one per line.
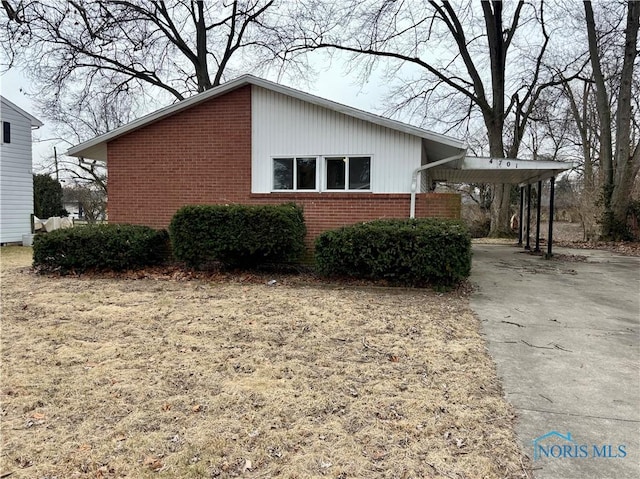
(6, 132)
(348, 173)
(294, 174)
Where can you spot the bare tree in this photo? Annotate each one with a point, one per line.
(175, 48)
(463, 53)
(100, 64)
(564, 127)
(91, 202)
(619, 150)
(97, 64)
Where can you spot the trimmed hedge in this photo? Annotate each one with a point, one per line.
(407, 252)
(100, 247)
(238, 235)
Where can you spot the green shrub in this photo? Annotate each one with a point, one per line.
(237, 235)
(406, 252)
(102, 247)
(47, 197)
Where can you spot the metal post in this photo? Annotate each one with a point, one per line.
(537, 248)
(552, 194)
(528, 245)
(520, 220)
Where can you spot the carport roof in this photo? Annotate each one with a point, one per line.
(471, 169)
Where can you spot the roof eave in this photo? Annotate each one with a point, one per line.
(488, 163)
(83, 149)
(87, 147)
(35, 123)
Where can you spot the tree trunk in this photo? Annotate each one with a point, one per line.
(201, 66)
(500, 206)
(494, 117)
(625, 169)
(602, 102)
(500, 209)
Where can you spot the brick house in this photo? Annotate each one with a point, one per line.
(252, 141)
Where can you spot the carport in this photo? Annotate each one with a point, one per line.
(472, 169)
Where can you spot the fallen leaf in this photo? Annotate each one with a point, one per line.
(197, 408)
(38, 416)
(24, 462)
(104, 471)
(378, 455)
(153, 462)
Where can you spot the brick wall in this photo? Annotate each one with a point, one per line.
(203, 155)
(324, 211)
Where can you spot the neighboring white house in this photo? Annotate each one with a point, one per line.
(16, 177)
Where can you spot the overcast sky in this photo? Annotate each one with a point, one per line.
(331, 82)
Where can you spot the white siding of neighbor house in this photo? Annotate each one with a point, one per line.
(283, 126)
(16, 180)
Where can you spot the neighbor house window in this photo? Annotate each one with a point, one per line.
(294, 174)
(6, 132)
(348, 173)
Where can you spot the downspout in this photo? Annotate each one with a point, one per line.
(414, 177)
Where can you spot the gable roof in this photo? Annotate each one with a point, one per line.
(35, 123)
(96, 148)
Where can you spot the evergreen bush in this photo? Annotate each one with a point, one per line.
(412, 252)
(238, 235)
(100, 247)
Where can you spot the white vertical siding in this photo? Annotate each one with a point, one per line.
(16, 181)
(285, 126)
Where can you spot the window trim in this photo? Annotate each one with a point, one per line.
(346, 188)
(321, 173)
(295, 188)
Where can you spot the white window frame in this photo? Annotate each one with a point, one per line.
(295, 173)
(346, 189)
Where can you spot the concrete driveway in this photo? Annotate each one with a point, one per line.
(565, 337)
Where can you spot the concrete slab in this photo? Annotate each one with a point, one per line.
(566, 340)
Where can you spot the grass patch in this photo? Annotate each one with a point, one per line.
(199, 379)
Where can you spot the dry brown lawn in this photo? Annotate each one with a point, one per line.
(107, 377)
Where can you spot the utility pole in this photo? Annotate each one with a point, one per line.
(55, 159)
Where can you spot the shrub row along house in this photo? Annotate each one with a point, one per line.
(251, 141)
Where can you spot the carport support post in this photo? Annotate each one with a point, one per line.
(552, 194)
(528, 245)
(520, 220)
(537, 248)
